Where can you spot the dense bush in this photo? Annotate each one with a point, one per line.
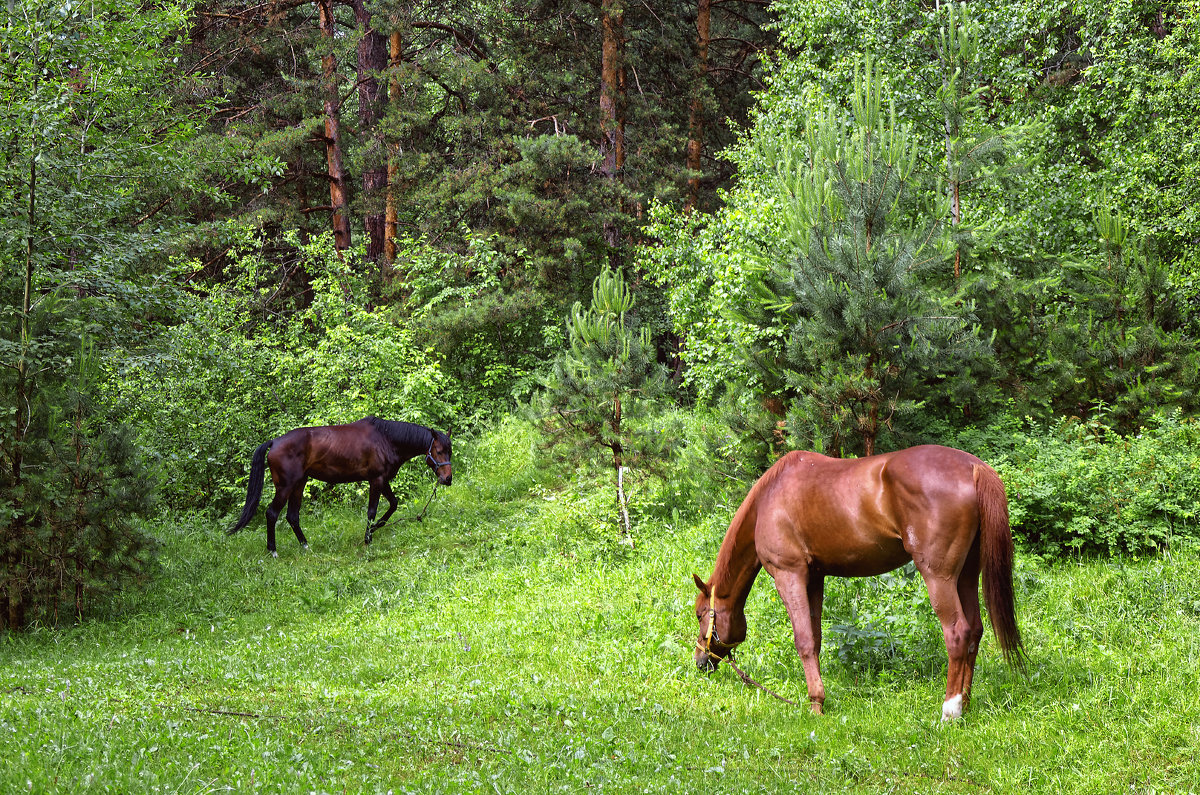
(73, 485)
(1080, 487)
(239, 369)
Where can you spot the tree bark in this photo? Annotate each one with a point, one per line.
(612, 99)
(391, 217)
(695, 145)
(372, 61)
(338, 196)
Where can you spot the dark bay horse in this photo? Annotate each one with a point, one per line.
(811, 516)
(370, 449)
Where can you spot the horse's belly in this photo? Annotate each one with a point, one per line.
(883, 556)
(335, 471)
(840, 550)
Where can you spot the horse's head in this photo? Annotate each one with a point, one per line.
(438, 457)
(722, 628)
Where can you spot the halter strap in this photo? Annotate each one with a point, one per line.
(433, 461)
(712, 631)
(707, 649)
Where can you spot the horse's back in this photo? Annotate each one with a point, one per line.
(344, 453)
(861, 516)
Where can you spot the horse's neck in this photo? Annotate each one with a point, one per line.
(406, 438)
(737, 562)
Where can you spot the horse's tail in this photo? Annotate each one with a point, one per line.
(996, 554)
(258, 466)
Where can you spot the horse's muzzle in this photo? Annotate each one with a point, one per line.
(706, 662)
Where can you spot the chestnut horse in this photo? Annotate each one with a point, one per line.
(370, 449)
(811, 516)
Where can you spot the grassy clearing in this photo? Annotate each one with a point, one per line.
(510, 643)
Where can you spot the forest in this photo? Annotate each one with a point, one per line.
(627, 255)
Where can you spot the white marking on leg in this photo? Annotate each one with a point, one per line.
(952, 709)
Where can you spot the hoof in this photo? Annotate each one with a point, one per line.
(274, 554)
(952, 709)
(817, 707)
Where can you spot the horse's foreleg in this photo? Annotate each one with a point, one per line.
(803, 599)
(392, 503)
(385, 489)
(293, 513)
(958, 632)
(372, 507)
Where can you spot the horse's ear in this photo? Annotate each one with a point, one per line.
(702, 585)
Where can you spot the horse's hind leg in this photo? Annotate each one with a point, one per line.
(968, 597)
(293, 513)
(277, 503)
(958, 632)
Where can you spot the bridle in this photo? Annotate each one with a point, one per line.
(433, 462)
(711, 634)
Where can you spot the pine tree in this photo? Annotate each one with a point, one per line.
(605, 385)
(867, 336)
(1133, 358)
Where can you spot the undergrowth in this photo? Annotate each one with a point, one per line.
(513, 642)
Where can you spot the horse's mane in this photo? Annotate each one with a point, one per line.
(407, 434)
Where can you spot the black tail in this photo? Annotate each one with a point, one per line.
(258, 466)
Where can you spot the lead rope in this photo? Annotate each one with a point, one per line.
(749, 681)
(421, 516)
(707, 648)
(429, 457)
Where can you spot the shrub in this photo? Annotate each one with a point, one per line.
(1080, 487)
(71, 493)
(238, 370)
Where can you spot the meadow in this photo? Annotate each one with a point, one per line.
(512, 642)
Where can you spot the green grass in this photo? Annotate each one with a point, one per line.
(511, 643)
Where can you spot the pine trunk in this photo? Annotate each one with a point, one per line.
(612, 99)
(372, 61)
(391, 217)
(338, 196)
(695, 146)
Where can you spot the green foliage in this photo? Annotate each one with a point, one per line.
(95, 154)
(73, 485)
(242, 367)
(95, 167)
(866, 335)
(603, 392)
(486, 321)
(1134, 356)
(1083, 488)
(709, 277)
(883, 626)
(1023, 116)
